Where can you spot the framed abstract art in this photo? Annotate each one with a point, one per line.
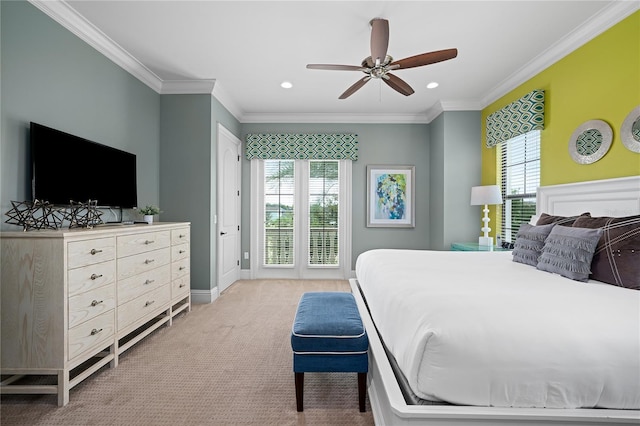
(390, 196)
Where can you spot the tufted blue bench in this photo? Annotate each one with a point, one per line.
(328, 336)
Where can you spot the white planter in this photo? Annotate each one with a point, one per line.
(148, 218)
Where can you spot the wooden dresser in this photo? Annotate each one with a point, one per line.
(74, 300)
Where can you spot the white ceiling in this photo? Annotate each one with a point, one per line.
(243, 50)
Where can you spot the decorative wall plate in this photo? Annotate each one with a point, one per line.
(630, 130)
(590, 141)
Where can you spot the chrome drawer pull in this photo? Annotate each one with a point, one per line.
(149, 303)
(95, 331)
(94, 251)
(94, 276)
(149, 281)
(148, 261)
(96, 302)
(149, 242)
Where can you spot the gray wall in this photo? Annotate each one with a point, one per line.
(394, 144)
(52, 77)
(188, 146)
(455, 167)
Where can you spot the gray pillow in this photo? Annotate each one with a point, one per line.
(529, 243)
(569, 251)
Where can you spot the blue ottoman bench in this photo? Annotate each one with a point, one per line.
(328, 336)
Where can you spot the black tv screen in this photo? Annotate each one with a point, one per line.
(67, 167)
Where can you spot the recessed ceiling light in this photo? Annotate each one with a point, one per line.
(286, 85)
(432, 85)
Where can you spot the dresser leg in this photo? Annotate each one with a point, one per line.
(113, 349)
(63, 388)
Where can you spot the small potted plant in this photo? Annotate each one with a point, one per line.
(148, 211)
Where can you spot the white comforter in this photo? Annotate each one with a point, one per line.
(475, 328)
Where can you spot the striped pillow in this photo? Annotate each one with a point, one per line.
(617, 257)
(568, 251)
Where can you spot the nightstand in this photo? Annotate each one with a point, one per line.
(475, 247)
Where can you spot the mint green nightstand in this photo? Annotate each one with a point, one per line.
(475, 247)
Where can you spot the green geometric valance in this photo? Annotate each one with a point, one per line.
(288, 146)
(517, 118)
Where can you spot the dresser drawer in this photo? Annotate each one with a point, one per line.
(179, 269)
(179, 236)
(91, 334)
(141, 243)
(82, 253)
(180, 251)
(90, 277)
(90, 304)
(143, 262)
(134, 286)
(149, 303)
(180, 287)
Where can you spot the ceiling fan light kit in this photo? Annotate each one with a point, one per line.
(379, 64)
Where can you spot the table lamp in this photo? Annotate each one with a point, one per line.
(485, 195)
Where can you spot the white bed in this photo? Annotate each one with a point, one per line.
(482, 360)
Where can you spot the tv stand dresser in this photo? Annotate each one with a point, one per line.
(73, 300)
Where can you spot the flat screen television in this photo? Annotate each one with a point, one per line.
(65, 167)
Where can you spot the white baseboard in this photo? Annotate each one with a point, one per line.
(204, 296)
(245, 274)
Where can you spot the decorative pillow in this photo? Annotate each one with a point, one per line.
(546, 219)
(529, 243)
(569, 251)
(617, 257)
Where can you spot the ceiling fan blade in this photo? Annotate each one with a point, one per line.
(398, 84)
(425, 59)
(333, 67)
(379, 39)
(351, 90)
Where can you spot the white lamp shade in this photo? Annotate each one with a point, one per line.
(488, 194)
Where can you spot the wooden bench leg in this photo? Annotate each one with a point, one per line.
(299, 390)
(362, 390)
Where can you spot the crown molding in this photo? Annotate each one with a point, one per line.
(227, 101)
(66, 16)
(605, 19)
(334, 118)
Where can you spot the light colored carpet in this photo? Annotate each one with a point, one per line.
(226, 363)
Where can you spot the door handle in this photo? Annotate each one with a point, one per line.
(223, 233)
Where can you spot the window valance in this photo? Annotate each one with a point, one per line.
(289, 146)
(517, 118)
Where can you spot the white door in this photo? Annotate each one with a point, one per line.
(228, 210)
(301, 219)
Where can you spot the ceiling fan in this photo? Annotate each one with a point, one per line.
(379, 64)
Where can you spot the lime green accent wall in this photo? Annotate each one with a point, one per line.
(599, 80)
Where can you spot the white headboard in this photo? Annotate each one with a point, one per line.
(608, 197)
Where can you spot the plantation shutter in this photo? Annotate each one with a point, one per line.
(324, 188)
(520, 178)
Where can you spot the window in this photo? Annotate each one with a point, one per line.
(324, 188)
(302, 219)
(520, 178)
(279, 196)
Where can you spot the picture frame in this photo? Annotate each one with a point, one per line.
(390, 196)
